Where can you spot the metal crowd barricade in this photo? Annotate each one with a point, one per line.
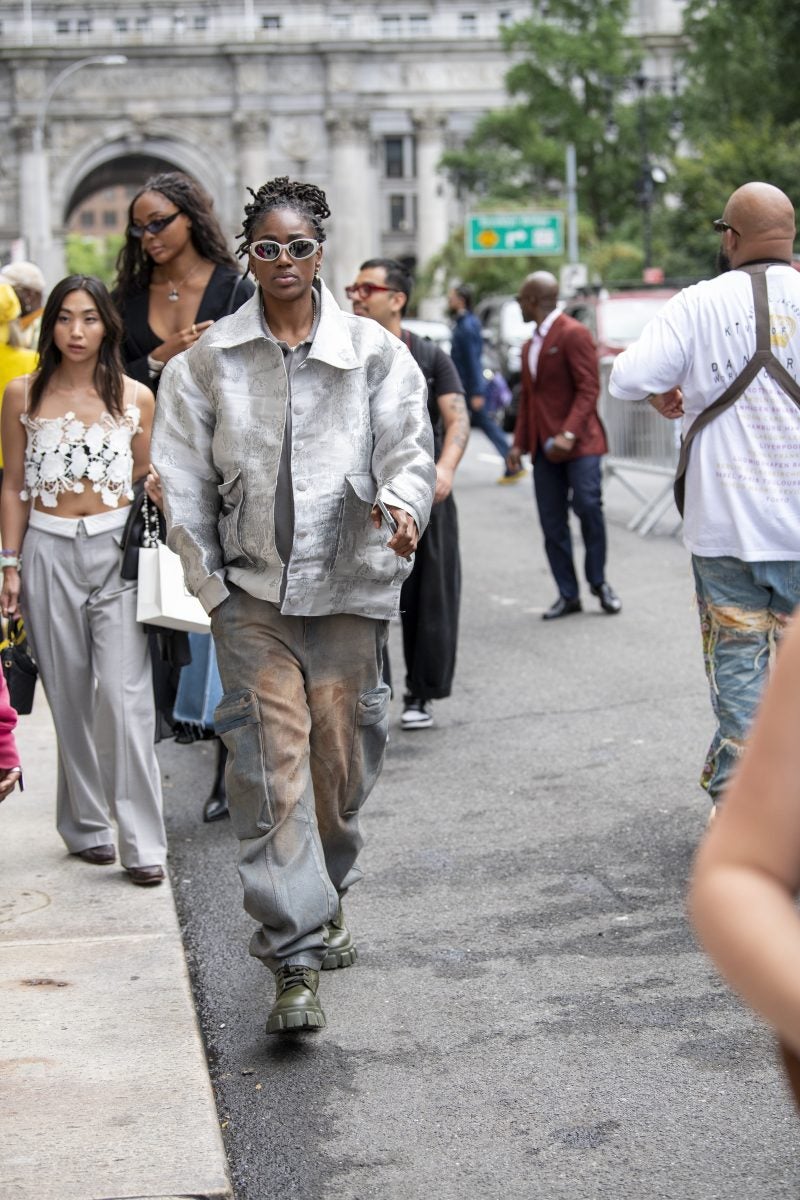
(640, 441)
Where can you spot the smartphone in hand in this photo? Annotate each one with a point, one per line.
(387, 516)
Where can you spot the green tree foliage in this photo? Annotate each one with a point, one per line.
(741, 108)
(93, 256)
(574, 80)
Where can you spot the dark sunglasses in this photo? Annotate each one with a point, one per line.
(363, 291)
(719, 226)
(138, 231)
(269, 251)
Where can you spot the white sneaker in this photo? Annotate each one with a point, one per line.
(416, 714)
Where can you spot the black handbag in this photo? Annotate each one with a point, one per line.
(141, 516)
(19, 667)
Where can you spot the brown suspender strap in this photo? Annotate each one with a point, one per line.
(763, 358)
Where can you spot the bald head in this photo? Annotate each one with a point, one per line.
(538, 296)
(761, 218)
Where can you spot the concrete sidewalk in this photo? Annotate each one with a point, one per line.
(104, 1089)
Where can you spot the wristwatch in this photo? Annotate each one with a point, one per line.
(569, 436)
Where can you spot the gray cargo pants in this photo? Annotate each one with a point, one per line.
(304, 717)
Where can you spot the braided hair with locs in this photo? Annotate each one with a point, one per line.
(134, 264)
(304, 199)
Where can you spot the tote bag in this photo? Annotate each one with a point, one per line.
(163, 598)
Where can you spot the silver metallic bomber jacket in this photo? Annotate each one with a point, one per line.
(360, 429)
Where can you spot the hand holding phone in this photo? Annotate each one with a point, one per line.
(387, 516)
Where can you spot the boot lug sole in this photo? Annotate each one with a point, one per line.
(339, 958)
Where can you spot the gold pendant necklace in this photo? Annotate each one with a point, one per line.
(173, 294)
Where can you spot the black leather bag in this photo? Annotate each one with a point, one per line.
(134, 533)
(19, 667)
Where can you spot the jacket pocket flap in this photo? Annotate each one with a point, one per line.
(364, 487)
(238, 708)
(227, 484)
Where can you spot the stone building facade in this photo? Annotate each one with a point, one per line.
(360, 98)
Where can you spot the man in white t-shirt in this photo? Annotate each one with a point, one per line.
(742, 505)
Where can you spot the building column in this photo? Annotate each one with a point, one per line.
(432, 221)
(251, 133)
(351, 199)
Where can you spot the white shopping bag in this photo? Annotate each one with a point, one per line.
(163, 598)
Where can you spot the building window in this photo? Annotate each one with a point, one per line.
(468, 24)
(110, 218)
(270, 22)
(398, 220)
(418, 24)
(142, 24)
(400, 157)
(505, 17)
(391, 25)
(200, 23)
(87, 219)
(342, 22)
(84, 25)
(63, 26)
(393, 153)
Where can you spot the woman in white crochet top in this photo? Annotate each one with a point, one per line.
(76, 435)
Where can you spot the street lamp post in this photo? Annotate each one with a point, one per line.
(41, 236)
(645, 176)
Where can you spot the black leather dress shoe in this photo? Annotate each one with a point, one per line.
(215, 808)
(562, 608)
(609, 600)
(101, 856)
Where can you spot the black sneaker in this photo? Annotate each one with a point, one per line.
(416, 714)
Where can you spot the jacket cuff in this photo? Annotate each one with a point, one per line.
(390, 499)
(212, 592)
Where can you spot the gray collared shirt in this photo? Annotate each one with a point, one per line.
(293, 357)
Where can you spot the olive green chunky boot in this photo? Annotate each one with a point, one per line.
(339, 941)
(296, 1006)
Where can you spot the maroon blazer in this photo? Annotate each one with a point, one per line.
(564, 394)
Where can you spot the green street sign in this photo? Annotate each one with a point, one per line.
(510, 233)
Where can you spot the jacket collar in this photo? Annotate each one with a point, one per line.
(332, 344)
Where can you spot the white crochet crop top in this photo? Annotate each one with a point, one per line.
(62, 453)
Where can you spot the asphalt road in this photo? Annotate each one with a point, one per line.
(529, 1016)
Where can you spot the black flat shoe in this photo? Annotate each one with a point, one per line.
(609, 600)
(215, 809)
(562, 608)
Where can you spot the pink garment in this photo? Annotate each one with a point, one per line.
(9, 755)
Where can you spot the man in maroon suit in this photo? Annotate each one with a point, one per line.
(559, 427)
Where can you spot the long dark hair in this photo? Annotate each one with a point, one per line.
(108, 373)
(134, 264)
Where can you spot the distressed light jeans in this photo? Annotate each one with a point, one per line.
(744, 607)
(305, 718)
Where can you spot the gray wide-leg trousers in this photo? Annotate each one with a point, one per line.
(304, 717)
(95, 667)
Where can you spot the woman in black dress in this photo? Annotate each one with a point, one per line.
(175, 277)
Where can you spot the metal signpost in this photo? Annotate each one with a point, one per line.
(511, 233)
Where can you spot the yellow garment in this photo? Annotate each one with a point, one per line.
(14, 362)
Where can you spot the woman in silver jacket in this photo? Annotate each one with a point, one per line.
(286, 439)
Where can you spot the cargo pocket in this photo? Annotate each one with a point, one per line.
(369, 746)
(237, 721)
